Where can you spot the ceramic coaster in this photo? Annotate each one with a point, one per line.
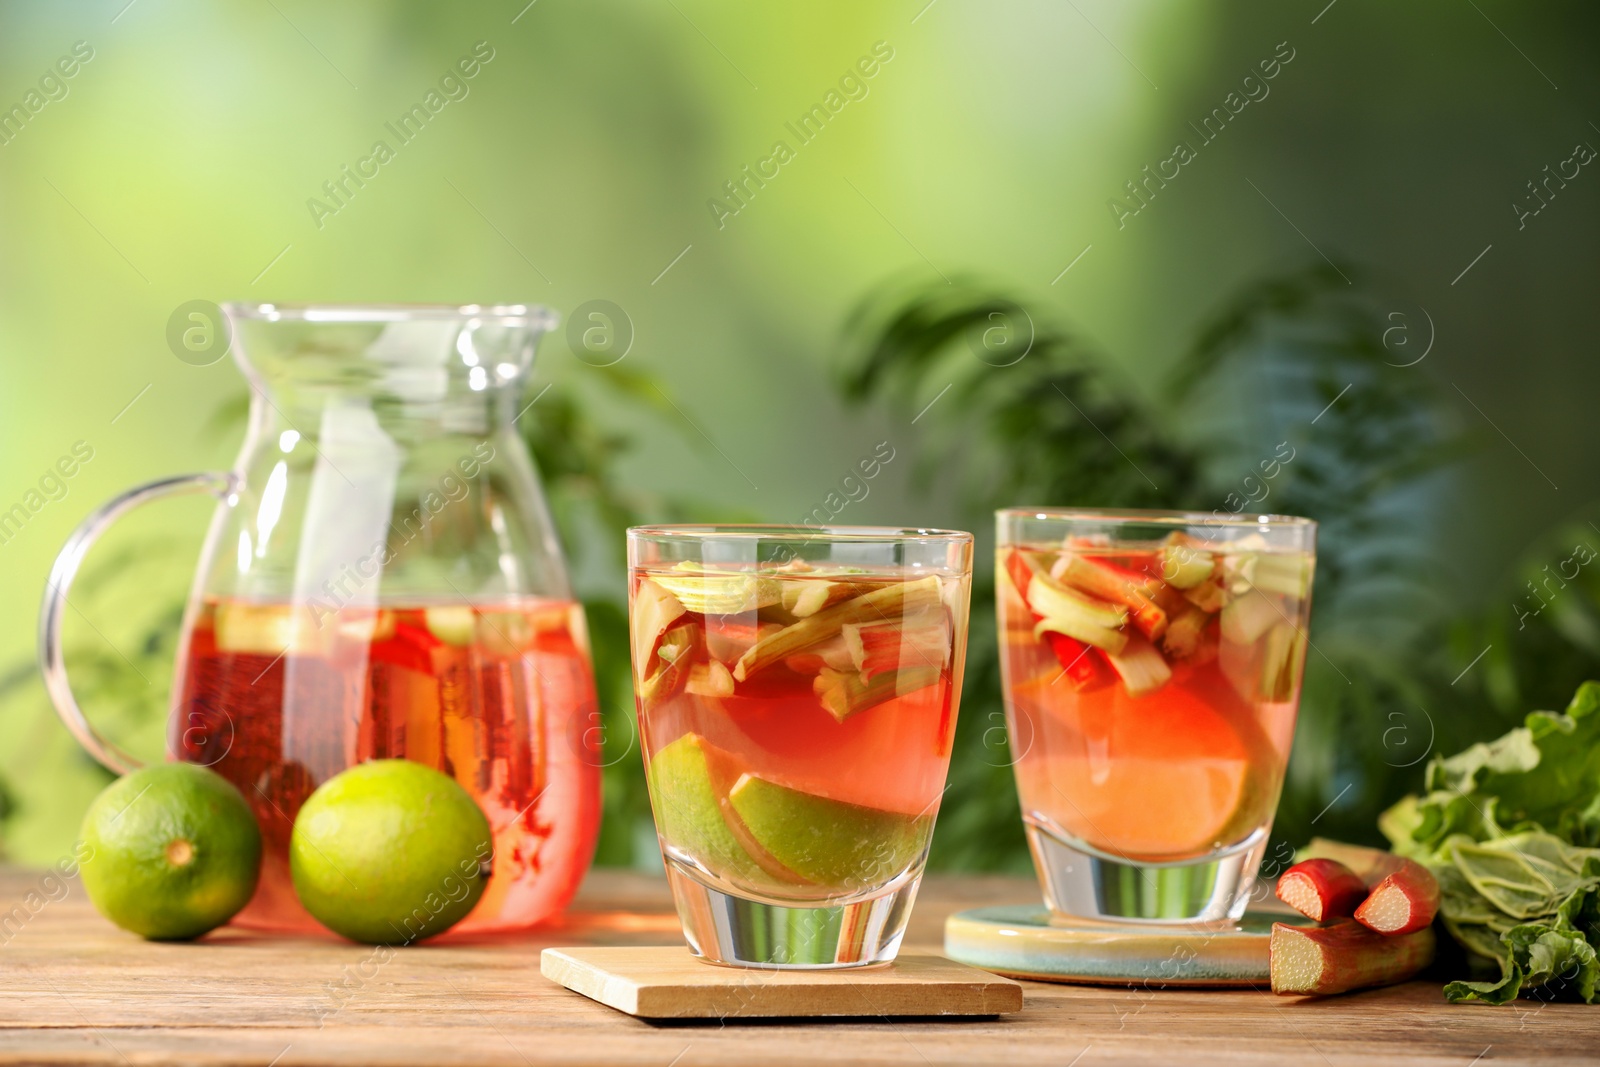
(1024, 942)
(668, 983)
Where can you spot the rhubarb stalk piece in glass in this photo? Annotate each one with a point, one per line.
(886, 602)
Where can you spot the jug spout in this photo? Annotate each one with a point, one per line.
(389, 433)
(424, 368)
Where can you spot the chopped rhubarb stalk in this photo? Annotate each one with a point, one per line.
(833, 653)
(1140, 666)
(451, 623)
(883, 603)
(1288, 575)
(730, 636)
(1112, 583)
(275, 629)
(843, 693)
(1078, 660)
(1145, 563)
(719, 592)
(1077, 628)
(1372, 865)
(1184, 633)
(807, 663)
(1009, 598)
(709, 680)
(670, 664)
(1184, 567)
(802, 599)
(1069, 612)
(578, 629)
(654, 609)
(410, 647)
(1404, 902)
(1322, 889)
(679, 642)
(918, 641)
(1170, 600)
(1020, 568)
(1280, 663)
(1404, 894)
(1047, 597)
(807, 598)
(1210, 595)
(1208, 649)
(1069, 652)
(1319, 961)
(1247, 617)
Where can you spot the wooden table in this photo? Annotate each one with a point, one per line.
(73, 989)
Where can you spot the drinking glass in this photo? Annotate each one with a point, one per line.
(797, 690)
(1151, 664)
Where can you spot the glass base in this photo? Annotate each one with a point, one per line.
(1082, 883)
(742, 932)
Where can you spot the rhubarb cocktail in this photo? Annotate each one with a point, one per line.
(1152, 667)
(797, 693)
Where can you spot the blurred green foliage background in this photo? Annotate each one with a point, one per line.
(1379, 181)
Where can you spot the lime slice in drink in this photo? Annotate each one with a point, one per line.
(174, 851)
(838, 845)
(690, 815)
(762, 833)
(389, 852)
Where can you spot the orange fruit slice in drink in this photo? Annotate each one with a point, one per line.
(1163, 776)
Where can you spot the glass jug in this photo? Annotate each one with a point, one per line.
(381, 579)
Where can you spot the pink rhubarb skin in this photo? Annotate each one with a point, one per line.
(1404, 894)
(1402, 903)
(1371, 865)
(1320, 961)
(1322, 889)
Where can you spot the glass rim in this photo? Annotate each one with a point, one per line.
(1157, 517)
(787, 532)
(504, 314)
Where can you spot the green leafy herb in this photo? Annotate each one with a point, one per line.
(1509, 828)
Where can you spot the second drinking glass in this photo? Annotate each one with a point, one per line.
(797, 692)
(1152, 665)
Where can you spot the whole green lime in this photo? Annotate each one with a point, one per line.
(390, 852)
(174, 851)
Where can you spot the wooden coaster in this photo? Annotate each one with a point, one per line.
(1026, 942)
(669, 983)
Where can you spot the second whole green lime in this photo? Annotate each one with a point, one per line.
(390, 852)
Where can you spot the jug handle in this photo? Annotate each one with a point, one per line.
(51, 658)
